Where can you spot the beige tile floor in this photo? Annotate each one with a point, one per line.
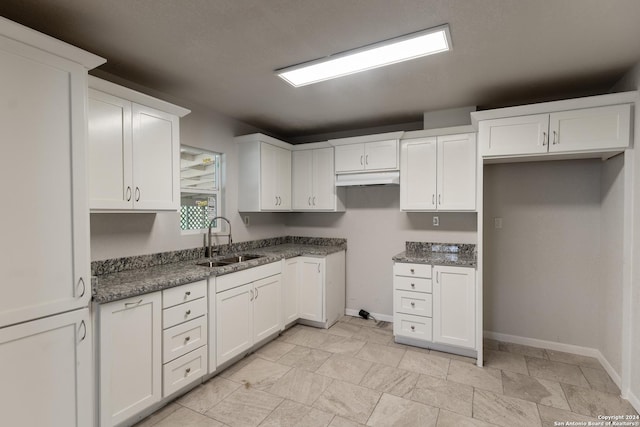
(353, 374)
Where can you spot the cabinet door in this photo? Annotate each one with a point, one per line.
(311, 288)
(110, 169)
(130, 357)
(234, 322)
(44, 255)
(601, 128)
(514, 136)
(283, 183)
(454, 306)
(290, 280)
(268, 177)
(267, 314)
(381, 155)
(324, 180)
(418, 174)
(457, 172)
(156, 159)
(46, 372)
(349, 158)
(302, 179)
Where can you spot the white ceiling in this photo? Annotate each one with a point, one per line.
(222, 53)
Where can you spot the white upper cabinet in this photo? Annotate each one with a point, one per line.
(588, 130)
(438, 173)
(45, 221)
(134, 150)
(264, 180)
(314, 187)
(368, 156)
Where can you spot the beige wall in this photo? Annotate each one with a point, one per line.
(611, 256)
(542, 269)
(376, 230)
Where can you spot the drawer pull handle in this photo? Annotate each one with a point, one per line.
(187, 313)
(187, 339)
(413, 285)
(132, 304)
(413, 304)
(186, 371)
(413, 328)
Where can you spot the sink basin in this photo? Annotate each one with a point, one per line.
(229, 260)
(239, 258)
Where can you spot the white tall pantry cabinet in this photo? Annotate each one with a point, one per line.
(45, 330)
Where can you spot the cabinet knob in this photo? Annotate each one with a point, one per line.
(413, 271)
(187, 313)
(413, 328)
(187, 339)
(413, 304)
(186, 371)
(413, 285)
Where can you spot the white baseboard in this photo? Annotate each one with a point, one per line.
(558, 346)
(633, 399)
(378, 316)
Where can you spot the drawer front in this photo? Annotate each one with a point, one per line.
(415, 327)
(416, 303)
(417, 284)
(184, 293)
(183, 338)
(412, 270)
(181, 313)
(242, 277)
(184, 370)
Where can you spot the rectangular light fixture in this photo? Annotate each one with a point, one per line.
(410, 46)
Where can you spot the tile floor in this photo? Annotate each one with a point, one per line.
(353, 374)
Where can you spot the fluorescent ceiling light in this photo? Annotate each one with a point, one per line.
(410, 46)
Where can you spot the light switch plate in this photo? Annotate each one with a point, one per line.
(436, 221)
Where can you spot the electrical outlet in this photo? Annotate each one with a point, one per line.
(246, 220)
(436, 221)
(497, 223)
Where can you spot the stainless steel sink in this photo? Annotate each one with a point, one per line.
(229, 260)
(240, 258)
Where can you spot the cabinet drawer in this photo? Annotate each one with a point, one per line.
(183, 338)
(184, 370)
(415, 327)
(412, 270)
(181, 313)
(417, 284)
(417, 303)
(184, 293)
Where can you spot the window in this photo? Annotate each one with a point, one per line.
(199, 189)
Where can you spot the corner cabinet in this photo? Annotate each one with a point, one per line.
(134, 150)
(264, 181)
(130, 348)
(313, 181)
(588, 130)
(438, 173)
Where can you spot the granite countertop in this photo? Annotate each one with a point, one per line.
(138, 281)
(460, 255)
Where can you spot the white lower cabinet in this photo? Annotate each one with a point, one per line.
(247, 310)
(130, 357)
(290, 291)
(434, 305)
(48, 364)
(184, 320)
(454, 302)
(311, 289)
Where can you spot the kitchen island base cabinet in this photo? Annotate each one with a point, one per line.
(48, 364)
(130, 351)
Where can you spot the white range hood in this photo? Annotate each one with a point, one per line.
(368, 178)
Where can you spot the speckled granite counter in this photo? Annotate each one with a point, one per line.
(144, 279)
(460, 255)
